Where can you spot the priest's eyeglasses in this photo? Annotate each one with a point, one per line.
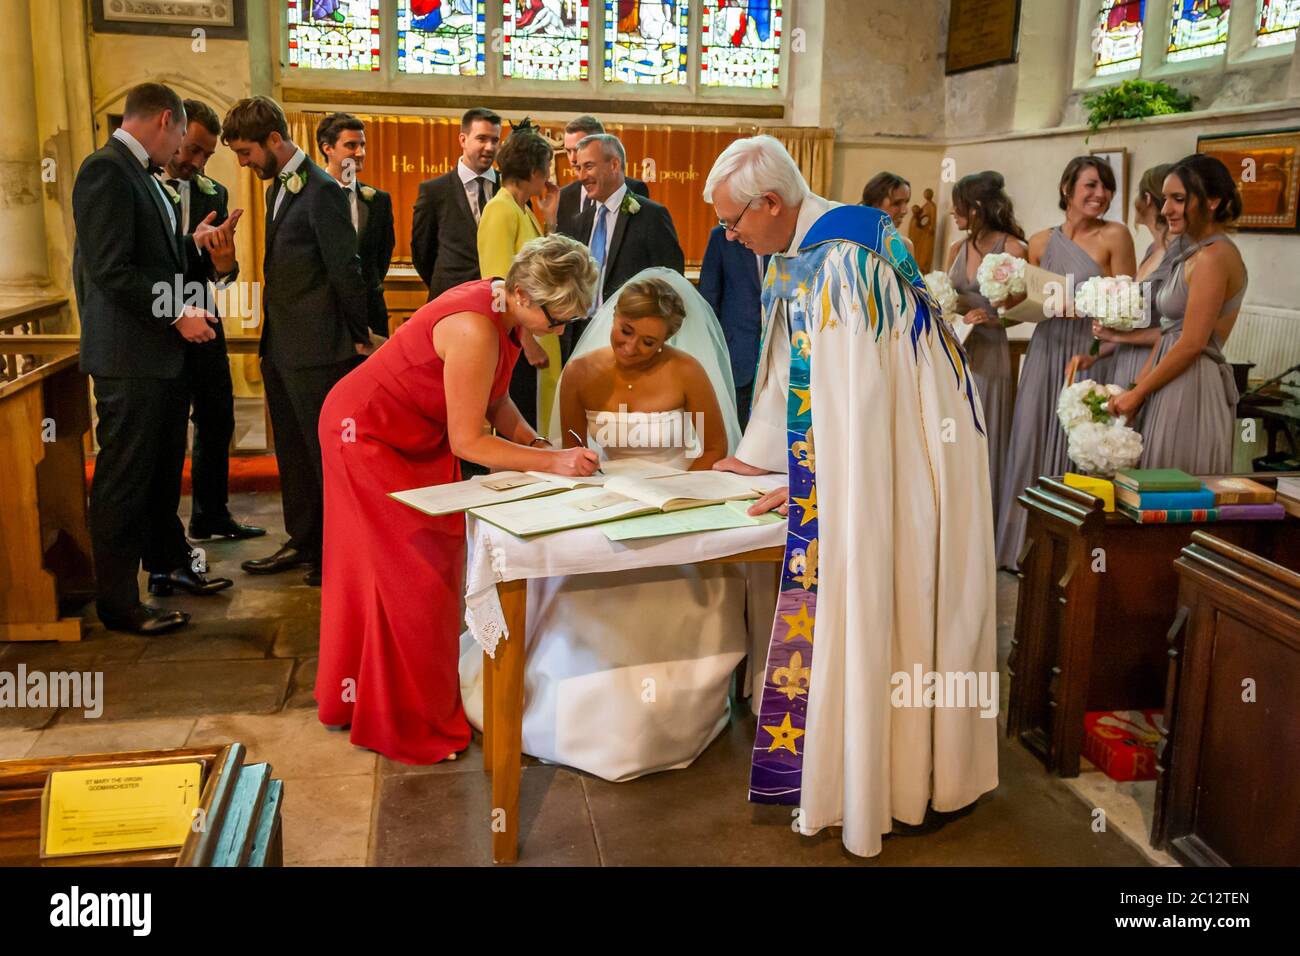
(733, 226)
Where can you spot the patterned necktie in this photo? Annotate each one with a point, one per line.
(482, 194)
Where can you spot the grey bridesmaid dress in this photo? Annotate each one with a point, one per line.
(1189, 422)
(1127, 360)
(1038, 443)
(989, 359)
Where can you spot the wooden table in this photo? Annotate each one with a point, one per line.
(503, 706)
(1098, 594)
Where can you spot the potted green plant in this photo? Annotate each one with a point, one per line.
(1135, 99)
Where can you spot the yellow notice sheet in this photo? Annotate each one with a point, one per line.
(119, 809)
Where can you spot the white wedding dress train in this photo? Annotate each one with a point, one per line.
(629, 674)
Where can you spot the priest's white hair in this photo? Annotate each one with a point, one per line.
(757, 165)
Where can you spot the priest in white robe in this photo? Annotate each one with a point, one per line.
(879, 694)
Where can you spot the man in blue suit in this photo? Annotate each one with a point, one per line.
(731, 281)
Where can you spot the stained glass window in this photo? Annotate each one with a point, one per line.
(1197, 29)
(333, 34)
(646, 40)
(1278, 21)
(1117, 38)
(740, 43)
(544, 39)
(441, 37)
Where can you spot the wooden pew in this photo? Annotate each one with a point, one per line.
(45, 556)
(1228, 790)
(1098, 593)
(240, 806)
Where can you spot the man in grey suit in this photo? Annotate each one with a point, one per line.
(444, 228)
(315, 322)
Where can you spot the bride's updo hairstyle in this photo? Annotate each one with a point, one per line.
(557, 272)
(652, 299)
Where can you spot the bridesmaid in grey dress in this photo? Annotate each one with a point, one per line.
(982, 209)
(1131, 351)
(1192, 403)
(1085, 245)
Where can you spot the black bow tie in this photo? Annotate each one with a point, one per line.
(154, 169)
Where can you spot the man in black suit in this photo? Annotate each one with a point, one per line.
(341, 138)
(128, 271)
(625, 233)
(207, 366)
(573, 198)
(731, 281)
(444, 229)
(315, 327)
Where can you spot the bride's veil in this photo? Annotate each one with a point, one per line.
(700, 336)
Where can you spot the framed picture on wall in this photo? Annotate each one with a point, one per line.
(1266, 168)
(1118, 160)
(217, 19)
(981, 33)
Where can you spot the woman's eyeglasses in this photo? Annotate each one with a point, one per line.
(554, 323)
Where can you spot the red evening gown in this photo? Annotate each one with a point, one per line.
(393, 577)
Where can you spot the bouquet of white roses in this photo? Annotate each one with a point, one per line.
(1115, 302)
(940, 287)
(1001, 276)
(1099, 444)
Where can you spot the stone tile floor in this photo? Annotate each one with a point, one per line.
(244, 671)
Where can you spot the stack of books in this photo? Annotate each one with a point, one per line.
(1241, 499)
(1288, 495)
(1163, 496)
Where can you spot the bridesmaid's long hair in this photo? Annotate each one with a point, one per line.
(879, 187)
(982, 199)
(1206, 178)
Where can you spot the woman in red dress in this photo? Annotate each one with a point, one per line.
(391, 601)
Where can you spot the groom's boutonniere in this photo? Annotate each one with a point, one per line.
(294, 181)
(629, 204)
(367, 193)
(172, 194)
(205, 185)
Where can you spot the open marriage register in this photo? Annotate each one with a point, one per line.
(621, 496)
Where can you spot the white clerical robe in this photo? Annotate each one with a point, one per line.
(906, 577)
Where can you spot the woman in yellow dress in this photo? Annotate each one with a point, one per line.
(507, 223)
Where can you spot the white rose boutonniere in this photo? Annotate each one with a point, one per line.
(294, 181)
(367, 193)
(629, 204)
(172, 194)
(205, 185)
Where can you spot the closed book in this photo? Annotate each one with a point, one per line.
(1157, 479)
(1239, 491)
(1290, 505)
(1097, 487)
(1268, 512)
(1165, 500)
(1183, 516)
(1290, 487)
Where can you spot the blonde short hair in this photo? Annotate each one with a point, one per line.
(652, 299)
(557, 272)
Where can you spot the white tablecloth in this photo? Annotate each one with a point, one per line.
(494, 556)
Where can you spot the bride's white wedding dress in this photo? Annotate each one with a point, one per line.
(627, 674)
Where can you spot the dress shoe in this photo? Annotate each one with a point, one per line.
(312, 577)
(145, 620)
(187, 579)
(223, 527)
(283, 560)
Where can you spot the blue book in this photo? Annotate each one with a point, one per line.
(1165, 500)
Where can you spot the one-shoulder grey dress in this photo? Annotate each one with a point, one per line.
(1189, 423)
(1127, 360)
(1038, 443)
(990, 365)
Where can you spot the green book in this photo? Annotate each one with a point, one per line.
(1157, 479)
(1171, 516)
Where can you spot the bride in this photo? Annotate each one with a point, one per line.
(630, 675)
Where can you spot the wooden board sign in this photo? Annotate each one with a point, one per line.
(981, 33)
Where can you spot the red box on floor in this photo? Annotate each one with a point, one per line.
(1122, 743)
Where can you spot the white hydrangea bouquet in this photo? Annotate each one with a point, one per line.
(1114, 302)
(1099, 443)
(940, 287)
(1001, 276)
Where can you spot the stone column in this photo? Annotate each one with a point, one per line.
(24, 264)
